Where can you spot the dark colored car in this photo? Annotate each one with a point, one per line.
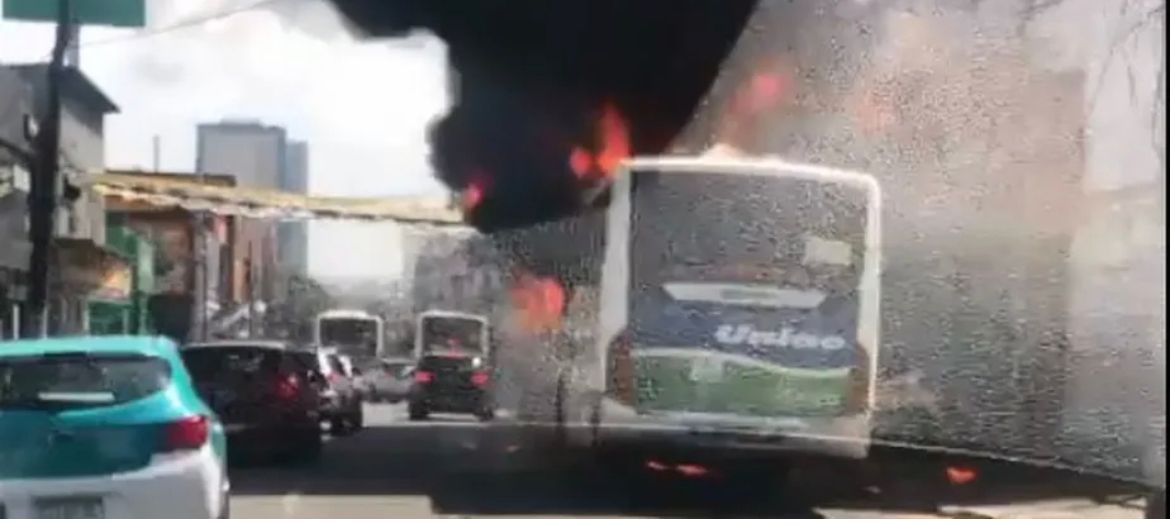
(265, 392)
(451, 383)
(341, 395)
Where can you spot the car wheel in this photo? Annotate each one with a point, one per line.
(358, 419)
(486, 413)
(339, 425)
(417, 413)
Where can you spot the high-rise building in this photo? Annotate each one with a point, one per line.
(253, 152)
(293, 237)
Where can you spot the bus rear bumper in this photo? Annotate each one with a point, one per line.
(845, 437)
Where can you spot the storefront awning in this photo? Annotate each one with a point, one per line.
(271, 204)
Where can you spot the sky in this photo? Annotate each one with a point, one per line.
(362, 105)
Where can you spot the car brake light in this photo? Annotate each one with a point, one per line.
(287, 387)
(422, 376)
(692, 471)
(185, 434)
(479, 378)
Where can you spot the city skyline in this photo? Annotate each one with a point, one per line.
(292, 65)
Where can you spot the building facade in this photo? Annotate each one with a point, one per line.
(16, 110)
(256, 155)
(82, 268)
(191, 256)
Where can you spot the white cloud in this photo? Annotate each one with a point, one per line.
(363, 106)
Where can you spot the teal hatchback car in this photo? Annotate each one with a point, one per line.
(106, 427)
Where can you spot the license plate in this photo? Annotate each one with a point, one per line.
(73, 507)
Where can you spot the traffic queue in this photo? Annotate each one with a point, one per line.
(138, 426)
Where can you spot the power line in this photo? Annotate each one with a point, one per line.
(191, 22)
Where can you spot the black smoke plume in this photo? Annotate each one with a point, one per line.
(532, 76)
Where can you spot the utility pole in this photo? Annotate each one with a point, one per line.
(43, 187)
(155, 153)
(250, 287)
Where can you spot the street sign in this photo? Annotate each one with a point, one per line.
(120, 13)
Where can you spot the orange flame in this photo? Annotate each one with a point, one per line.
(769, 88)
(580, 161)
(613, 140)
(763, 92)
(472, 195)
(539, 302)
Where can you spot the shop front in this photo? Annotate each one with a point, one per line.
(91, 289)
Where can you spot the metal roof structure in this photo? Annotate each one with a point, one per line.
(191, 193)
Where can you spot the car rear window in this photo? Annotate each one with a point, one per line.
(79, 380)
(211, 362)
(394, 369)
(303, 362)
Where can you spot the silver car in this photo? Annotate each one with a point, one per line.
(390, 381)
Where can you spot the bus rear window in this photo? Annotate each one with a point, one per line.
(79, 380)
(451, 334)
(352, 336)
(717, 228)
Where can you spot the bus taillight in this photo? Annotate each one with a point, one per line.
(621, 369)
(857, 396)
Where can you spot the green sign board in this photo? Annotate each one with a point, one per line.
(120, 13)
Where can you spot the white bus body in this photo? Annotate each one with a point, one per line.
(734, 350)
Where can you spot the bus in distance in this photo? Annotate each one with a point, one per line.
(354, 333)
(741, 294)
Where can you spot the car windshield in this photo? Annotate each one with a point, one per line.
(839, 258)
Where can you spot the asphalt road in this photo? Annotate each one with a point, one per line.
(402, 469)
